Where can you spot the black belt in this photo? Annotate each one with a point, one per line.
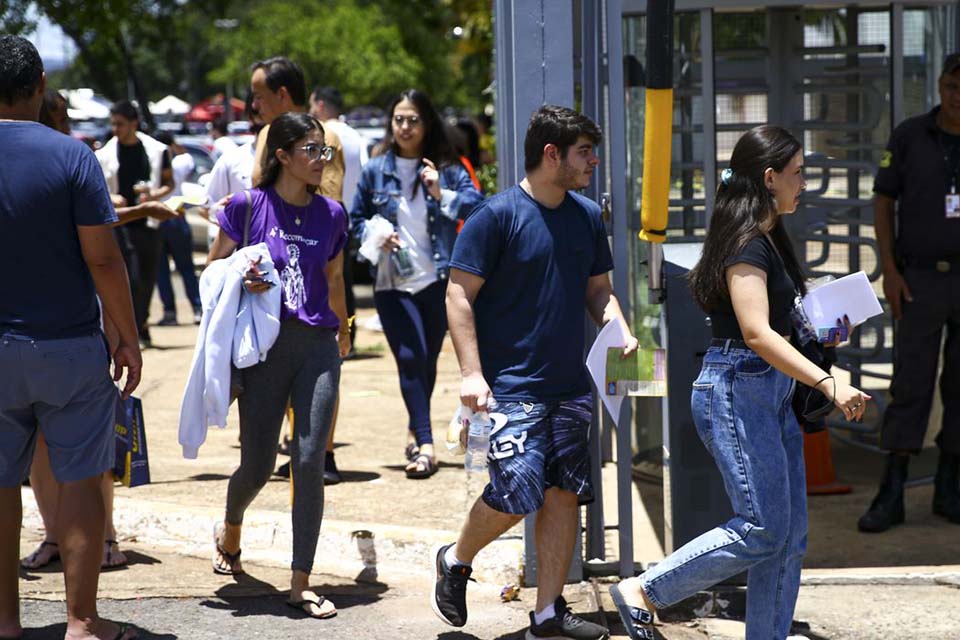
(943, 265)
(729, 343)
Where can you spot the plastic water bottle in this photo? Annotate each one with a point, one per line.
(478, 440)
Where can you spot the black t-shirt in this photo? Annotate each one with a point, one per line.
(781, 290)
(134, 168)
(918, 168)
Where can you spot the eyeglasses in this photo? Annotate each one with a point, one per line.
(413, 121)
(317, 152)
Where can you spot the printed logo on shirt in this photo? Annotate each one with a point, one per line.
(886, 159)
(277, 232)
(294, 294)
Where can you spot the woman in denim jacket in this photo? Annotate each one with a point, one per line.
(419, 186)
(747, 280)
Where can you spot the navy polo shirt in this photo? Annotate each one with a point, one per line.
(914, 172)
(529, 313)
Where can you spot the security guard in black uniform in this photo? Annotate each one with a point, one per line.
(920, 257)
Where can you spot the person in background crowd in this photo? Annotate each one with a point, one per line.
(177, 241)
(52, 351)
(54, 113)
(233, 171)
(221, 141)
(421, 188)
(326, 105)
(747, 281)
(137, 169)
(305, 234)
(278, 86)
(918, 239)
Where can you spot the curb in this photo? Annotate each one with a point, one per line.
(267, 539)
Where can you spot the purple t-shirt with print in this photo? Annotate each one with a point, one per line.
(301, 240)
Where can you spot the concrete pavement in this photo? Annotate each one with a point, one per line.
(166, 528)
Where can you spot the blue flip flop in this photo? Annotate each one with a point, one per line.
(638, 622)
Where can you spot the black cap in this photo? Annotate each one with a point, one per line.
(951, 63)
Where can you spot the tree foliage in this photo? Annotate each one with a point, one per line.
(369, 49)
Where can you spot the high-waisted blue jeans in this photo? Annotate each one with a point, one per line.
(741, 408)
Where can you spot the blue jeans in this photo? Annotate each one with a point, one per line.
(741, 409)
(414, 325)
(178, 244)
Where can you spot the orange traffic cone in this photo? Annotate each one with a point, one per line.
(821, 478)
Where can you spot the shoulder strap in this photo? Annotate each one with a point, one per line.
(246, 221)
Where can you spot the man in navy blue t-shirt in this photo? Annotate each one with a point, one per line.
(526, 265)
(55, 216)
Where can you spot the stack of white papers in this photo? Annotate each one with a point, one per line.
(850, 296)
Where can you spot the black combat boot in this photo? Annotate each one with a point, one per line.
(946, 488)
(886, 509)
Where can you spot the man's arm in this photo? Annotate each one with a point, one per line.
(146, 209)
(603, 307)
(166, 180)
(103, 258)
(461, 293)
(894, 286)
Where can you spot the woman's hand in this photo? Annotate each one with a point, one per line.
(845, 328)
(391, 243)
(253, 279)
(431, 178)
(850, 400)
(344, 343)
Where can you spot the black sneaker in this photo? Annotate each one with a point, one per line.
(449, 599)
(565, 624)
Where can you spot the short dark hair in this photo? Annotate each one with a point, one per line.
(331, 96)
(21, 69)
(560, 126)
(220, 124)
(125, 109)
(165, 137)
(284, 72)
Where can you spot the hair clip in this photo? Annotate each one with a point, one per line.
(726, 176)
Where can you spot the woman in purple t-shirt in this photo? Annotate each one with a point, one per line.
(305, 234)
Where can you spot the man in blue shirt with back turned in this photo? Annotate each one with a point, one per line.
(55, 216)
(527, 263)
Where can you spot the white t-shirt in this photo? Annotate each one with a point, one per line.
(182, 166)
(412, 226)
(354, 157)
(230, 174)
(222, 146)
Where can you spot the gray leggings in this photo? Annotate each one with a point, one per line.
(303, 366)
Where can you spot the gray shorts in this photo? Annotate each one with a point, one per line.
(63, 389)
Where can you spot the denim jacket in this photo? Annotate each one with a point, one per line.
(379, 192)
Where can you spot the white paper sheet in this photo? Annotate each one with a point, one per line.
(850, 295)
(613, 334)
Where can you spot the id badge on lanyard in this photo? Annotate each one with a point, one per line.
(952, 204)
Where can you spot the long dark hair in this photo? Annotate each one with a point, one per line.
(284, 132)
(436, 146)
(742, 208)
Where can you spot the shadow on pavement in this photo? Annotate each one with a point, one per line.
(57, 631)
(249, 596)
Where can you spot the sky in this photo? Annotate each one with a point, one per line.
(55, 48)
